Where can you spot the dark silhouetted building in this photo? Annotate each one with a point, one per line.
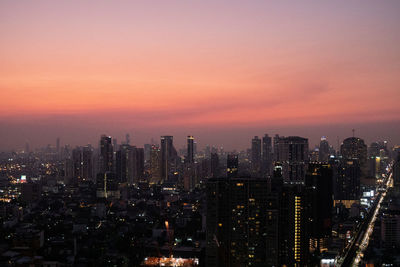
(236, 222)
(267, 156)
(106, 157)
(168, 157)
(292, 155)
(324, 150)
(354, 148)
(190, 149)
(319, 204)
(256, 157)
(232, 165)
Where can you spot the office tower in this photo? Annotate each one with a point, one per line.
(82, 160)
(139, 171)
(147, 152)
(293, 249)
(396, 171)
(125, 164)
(256, 157)
(319, 203)
(215, 168)
(236, 222)
(267, 156)
(292, 155)
(115, 144)
(190, 150)
(168, 157)
(354, 148)
(127, 139)
(155, 164)
(324, 150)
(232, 165)
(106, 157)
(107, 186)
(347, 180)
(87, 168)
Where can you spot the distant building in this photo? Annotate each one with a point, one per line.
(292, 155)
(267, 156)
(232, 165)
(168, 157)
(354, 148)
(324, 150)
(190, 150)
(106, 157)
(256, 157)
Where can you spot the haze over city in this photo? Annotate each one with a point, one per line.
(222, 72)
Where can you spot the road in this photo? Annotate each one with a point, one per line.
(360, 242)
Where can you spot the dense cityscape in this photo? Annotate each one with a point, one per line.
(180, 133)
(277, 203)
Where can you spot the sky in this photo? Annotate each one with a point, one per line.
(222, 71)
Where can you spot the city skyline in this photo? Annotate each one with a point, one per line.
(222, 72)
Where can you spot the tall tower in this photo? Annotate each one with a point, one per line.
(232, 165)
(354, 148)
(292, 155)
(256, 156)
(190, 149)
(168, 156)
(266, 165)
(106, 154)
(323, 150)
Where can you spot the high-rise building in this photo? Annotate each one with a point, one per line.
(267, 156)
(319, 204)
(256, 157)
(190, 150)
(215, 168)
(155, 164)
(82, 161)
(107, 186)
(292, 155)
(168, 157)
(232, 165)
(236, 222)
(347, 180)
(106, 157)
(354, 148)
(125, 164)
(324, 150)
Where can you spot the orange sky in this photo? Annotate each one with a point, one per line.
(203, 64)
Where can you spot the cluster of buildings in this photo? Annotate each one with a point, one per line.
(277, 203)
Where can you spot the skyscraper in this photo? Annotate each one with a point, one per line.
(292, 155)
(155, 164)
(232, 165)
(106, 158)
(354, 148)
(168, 157)
(256, 157)
(319, 203)
(190, 149)
(267, 156)
(324, 150)
(347, 180)
(82, 162)
(236, 222)
(215, 168)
